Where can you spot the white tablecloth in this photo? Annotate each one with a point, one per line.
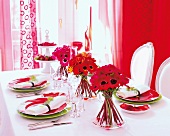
(155, 122)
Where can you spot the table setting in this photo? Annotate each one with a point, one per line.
(42, 106)
(141, 94)
(30, 83)
(46, 108)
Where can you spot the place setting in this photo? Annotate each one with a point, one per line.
(136, 100)
(54, 104)
(29, 86)
(140, 94)
(51, 105)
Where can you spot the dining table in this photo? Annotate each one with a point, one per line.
(154, 122)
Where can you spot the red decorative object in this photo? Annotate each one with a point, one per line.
(82, 65)
(108, 79)
(77, 44)
(87, 42)
(88, 37)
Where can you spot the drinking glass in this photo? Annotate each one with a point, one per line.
(74, 104)
(80, 105)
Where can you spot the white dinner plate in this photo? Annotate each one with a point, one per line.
(29, 78)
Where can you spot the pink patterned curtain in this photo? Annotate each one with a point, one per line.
(28, 34)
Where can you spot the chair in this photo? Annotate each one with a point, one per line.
(162, 83)
(142, 62)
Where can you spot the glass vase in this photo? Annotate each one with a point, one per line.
(108, 116)
(58, 77)
(84, 89)
(62, 72)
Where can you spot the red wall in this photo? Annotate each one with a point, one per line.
(146, 21)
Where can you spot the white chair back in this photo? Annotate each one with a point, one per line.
(162, 83)
(142, 62)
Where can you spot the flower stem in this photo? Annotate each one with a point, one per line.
(84, 88)
(109, 112)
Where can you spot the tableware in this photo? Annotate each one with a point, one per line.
(43, 122)
(46, 64)
(74, 103)
(137, 102)
(21, 95)
(43, 117)
(134, 109)
(43, 106)
(144, 97)
(28, 90)
(45, 61)
(39, 82)
(32, 81)
(49, 125)
(56, 106)
(131, 91)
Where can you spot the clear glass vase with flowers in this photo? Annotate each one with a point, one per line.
(63, 55)
(106, 80)
(83, 65)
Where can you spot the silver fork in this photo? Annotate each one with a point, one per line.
(39, 92)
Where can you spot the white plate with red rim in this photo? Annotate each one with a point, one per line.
(41, 100)
(22, 106)
(30, 78)
(134, 109)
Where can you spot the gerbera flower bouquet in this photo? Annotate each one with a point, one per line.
(82, 65)
(108, 79)
(63, 55)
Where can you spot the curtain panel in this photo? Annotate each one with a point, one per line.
(28, 34)
(5, 35)
(110, 15)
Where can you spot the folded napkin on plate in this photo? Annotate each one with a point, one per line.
(40, 81)
(125, 93)
(39, 109)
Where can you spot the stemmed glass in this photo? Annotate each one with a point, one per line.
(74, 103)
(52, 77)
(77, 103)
(80, 104)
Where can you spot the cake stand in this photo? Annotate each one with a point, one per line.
(47, 68)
